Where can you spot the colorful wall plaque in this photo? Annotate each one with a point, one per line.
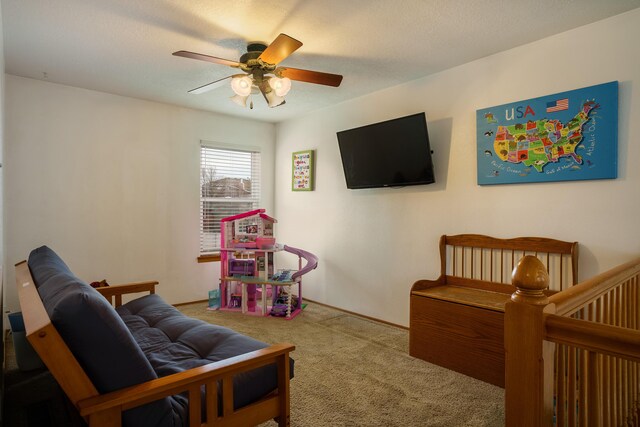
(302, 171)
(563, 137)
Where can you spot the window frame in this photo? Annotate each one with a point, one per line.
(257, 175)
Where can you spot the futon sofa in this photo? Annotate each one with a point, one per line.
(142, 341)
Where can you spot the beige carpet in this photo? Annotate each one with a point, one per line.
(352, 371)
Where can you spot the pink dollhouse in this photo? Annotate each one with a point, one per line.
(247, 280)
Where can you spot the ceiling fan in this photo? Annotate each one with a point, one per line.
(260, 65)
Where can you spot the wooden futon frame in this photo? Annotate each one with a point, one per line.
(106, 409)
(457, 321)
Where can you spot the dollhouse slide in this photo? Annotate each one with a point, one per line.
(249, 282)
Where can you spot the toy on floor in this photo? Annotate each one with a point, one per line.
(247, 263)
(281, 306)
(214, 299)
(235, 301)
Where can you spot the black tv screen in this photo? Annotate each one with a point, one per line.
(393, 153)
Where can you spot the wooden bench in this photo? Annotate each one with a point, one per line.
(106, 409)
(457, 321)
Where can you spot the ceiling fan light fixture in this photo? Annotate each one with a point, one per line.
(261, 74)
(273, 100)
(240, 100)
(242, 85)
(281, 86)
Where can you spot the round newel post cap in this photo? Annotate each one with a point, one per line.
(530, 277)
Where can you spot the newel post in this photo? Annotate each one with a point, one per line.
(528, 357)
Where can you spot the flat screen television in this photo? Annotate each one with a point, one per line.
(394, 153)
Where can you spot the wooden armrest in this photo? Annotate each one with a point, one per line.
(188, 380)
(127, 288)
(147, 285)
(426, 284)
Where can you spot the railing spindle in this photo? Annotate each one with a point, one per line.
(583, 381)
(571, 399)
(561, 379)
(594, 401)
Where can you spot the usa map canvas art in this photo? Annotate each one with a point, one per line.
(563, 137)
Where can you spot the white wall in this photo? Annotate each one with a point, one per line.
(112, 184)
(2, 269)
(373, 244)
(1, 142)
(2, 264)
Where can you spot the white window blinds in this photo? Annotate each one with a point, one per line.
(229, 184)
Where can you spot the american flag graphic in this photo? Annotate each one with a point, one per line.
(558, 105)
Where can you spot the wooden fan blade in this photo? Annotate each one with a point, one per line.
(279, 49)
(309, 76)
(201, 57)
(210, 86)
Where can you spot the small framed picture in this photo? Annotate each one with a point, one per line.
(302, 170)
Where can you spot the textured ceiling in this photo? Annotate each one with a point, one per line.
(124, 46)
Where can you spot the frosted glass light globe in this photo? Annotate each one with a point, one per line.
(281, 86)
(241, 85)
(240, 100)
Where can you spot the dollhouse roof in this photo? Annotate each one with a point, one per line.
(260, 212)
(268, 218)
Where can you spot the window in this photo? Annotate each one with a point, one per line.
(229, 184)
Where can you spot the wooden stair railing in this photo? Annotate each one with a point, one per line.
(573, 359)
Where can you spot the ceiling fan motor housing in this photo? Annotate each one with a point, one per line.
(256, 47)
(250, 61)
